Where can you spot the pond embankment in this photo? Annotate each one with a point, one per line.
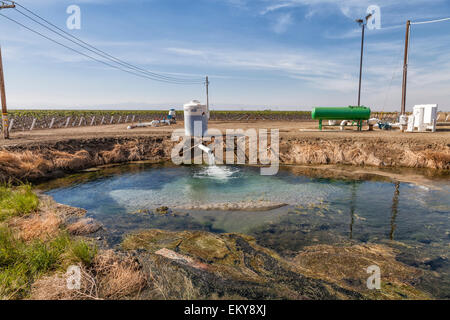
(44, 159)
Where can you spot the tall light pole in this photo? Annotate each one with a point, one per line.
(363, 24)
(405, 68)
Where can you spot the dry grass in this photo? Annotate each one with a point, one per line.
(168, 282)
(111, 277)
(130, 151)
(78, 160)
(22, 165)
(54, 287)
(84, 227)
(118, 277)
(43, 227)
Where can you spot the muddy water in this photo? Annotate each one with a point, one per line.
(415, 219)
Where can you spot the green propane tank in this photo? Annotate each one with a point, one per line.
(357, 114)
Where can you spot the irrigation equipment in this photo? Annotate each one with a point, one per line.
(353, 113)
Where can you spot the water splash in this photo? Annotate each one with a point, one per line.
(217, 172)
(211, 159)
(212, 171)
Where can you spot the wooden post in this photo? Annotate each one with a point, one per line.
(33, 124)
(11, 124)
(3, 99)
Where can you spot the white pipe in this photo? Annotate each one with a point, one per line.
(140, 125)
(154, 123)
(343, 124)
(205, 148)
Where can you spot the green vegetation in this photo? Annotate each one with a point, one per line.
(22, 262)
(17, 201)
(39, 114)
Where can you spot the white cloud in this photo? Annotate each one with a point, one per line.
(282, 23)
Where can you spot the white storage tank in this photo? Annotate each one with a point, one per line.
(195, 119)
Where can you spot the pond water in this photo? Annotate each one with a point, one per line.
(412, 218)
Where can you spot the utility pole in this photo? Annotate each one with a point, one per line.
(363, 25)
(405, 68)
(3, 99)
(5, 127)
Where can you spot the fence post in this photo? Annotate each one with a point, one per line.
(132, 120)
(103, 120)
(11, 123)
(92, 121)
(126, 119)
(33, 124)
(51, 123)
(81, 121)
(67, 122)
(112, 119)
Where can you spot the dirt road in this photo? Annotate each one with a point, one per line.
(288, 129)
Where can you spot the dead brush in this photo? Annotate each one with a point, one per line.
(84, 227)
(116, 155)
(168, 282)
(55, 287)
(26, 164)
(37, 226)
(118, 277)
(78, 160)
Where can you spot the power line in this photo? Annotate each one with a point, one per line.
(431, 21)
(102, 53)
(87, 46)
(83, 54)
(104, 56)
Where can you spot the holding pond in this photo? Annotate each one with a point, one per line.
(287, 213)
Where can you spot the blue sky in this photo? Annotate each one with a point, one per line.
(258, 53)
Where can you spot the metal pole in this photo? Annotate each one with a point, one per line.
(361, 65)
(405, 68)
(207, 93)
(3, 100)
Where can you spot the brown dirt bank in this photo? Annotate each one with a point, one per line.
(51, 153)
